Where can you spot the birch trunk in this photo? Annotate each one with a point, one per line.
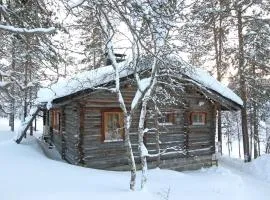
(127, 117)
(129, 151)
(142, 148)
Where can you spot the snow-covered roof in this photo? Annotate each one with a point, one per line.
(206, 80)
(95, 78)
(82, 81)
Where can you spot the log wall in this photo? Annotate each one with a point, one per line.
(183, 146)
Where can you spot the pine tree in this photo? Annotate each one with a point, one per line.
(248, 63)
(207, 33)
(91, 38)
(257, 54)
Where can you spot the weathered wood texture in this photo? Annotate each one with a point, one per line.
(183, 146)
(201, 138)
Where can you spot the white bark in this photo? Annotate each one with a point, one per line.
(141, 144)
(146, 31)
(127, 116)
(157, 26)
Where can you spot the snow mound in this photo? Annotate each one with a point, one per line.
(260, 167)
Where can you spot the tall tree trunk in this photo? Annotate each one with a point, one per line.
(255, 120)
(12, 102)
(259, 146)
(1, 3)
(26, 67)
(218, 57)
(243, 90)
(31, 90)
(157, 137)
(251, 134)
(35, 129)
(256, 129)
(228, 143)
(129, 151)
(219, 131)
(127, 117)
(267, 148)
(219, 68)
(238, 137)
(142, 148)
(12, 114)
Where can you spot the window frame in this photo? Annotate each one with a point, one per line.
(170, 115)
(204, 118)
(104, 126)
(56, 120)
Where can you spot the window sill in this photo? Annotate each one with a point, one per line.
(115, 140)
(166, 124)
(198, 124)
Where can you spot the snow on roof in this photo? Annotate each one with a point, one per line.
(102, 75)
(82, 81)
(208, 81)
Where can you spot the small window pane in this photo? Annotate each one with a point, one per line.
(198, 118)
(56, 118)
(167, 118)
(113, 126)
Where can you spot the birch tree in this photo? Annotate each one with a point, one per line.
(145, 26)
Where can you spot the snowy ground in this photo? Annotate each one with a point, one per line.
(26, 174)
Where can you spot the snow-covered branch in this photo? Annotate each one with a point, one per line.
(74, 4)
(176, 149)
(27, 31)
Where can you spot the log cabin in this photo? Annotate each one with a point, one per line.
(84, 122)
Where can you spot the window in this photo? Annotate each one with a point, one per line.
(167, 118)
(113, 126)
(198, 118)
(56, 118)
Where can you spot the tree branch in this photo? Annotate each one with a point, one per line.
(27, 31)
